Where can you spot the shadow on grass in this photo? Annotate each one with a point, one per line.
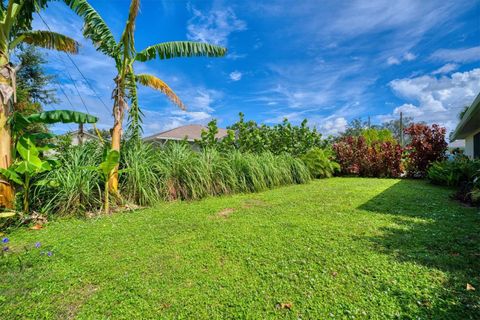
(436, 232)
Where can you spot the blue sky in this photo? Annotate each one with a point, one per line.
(327, 61)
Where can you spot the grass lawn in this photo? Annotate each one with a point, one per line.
(341, 248)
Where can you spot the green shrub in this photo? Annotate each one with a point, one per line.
(140, 183)
(372, 135)
(320, 164)
(453, 172)
(79, 189)
(150, 175)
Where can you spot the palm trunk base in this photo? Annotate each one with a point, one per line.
(7, 195)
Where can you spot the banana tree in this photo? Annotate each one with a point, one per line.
(29, 163)
(124, 54)
(15, 28)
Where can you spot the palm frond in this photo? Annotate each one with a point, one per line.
(94, 27)
(47, 40)
(176, 49)
(158, 84)
(128, 39)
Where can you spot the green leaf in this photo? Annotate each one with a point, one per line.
(28, 151)
(63, 116)
(41, 136)
(18, 122)
(111, 161)
(11, 175)
(177, 49)
(47, 40)
(94, 27)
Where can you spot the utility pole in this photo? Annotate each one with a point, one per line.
(369, 126)
(401, 129)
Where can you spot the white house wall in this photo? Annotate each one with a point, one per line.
(469, 144)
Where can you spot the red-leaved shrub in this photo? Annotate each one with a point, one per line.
(379, 159)
(427, 145)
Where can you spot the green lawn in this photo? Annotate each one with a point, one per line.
(341, 248)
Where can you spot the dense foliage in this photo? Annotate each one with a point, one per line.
(149, 175)
(320, 163)
(461, 173)
(427, 145)
(377, 159)
(248, 136)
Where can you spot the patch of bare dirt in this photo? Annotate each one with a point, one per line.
(225, 213)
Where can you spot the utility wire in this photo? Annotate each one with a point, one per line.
(79, 71)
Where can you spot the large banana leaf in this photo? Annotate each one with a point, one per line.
(94, 27)
(177, 49)
(28, 151)
(63, 116)
(47, 40)
(153, 82)
(110, 162)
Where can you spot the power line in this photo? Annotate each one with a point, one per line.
(79, 71)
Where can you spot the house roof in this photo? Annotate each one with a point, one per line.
(470, 122)
(189, 132)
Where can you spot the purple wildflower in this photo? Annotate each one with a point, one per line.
(5, 240)
(6, 249)
(38, 244)
(49, 253)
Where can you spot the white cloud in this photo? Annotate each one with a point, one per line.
(436, 99)
(449, 67)
(214, 26)
(408, 110)
(235, 75)
(393, 61)
(457, 55)
(408, 56)
(332, 126)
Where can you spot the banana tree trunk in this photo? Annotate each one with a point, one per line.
(7, 90)
(117, 131)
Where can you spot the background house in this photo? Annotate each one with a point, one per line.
(189, 133)
(469, 129)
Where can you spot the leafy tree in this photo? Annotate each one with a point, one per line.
(15, 28)
(396, 129)
(33, 91)
(372, 135)
(32, 77)
(124, 54)
(355, 128)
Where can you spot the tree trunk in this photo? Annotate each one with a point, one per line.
(118, 113)
(6, 189)
(7, 78)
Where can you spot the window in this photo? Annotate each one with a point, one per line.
(476, 145)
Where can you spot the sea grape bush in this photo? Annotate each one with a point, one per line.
(427, 145)
(248, 136)
(375, 159)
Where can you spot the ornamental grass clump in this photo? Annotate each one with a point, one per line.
(77, 189)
